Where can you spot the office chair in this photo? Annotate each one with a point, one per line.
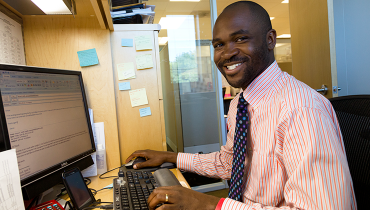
(353, 113)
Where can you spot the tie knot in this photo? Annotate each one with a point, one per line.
(242, 100)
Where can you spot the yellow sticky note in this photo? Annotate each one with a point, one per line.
(144, 61)
(143, 43)
(126, 71)
(138, 97)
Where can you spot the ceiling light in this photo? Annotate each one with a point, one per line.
(186, 0)
(284, 36)
(162, 40)
(271, 18)
(285, 2)
(55, 7)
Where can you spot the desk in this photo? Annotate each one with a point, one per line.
(107, 195)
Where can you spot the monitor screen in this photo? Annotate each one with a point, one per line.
(46, 119)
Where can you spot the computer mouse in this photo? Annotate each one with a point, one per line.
(134, 161)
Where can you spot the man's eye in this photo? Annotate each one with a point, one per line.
(240, 39)
(217, 45)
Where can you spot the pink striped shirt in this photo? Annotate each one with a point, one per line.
(295, 154)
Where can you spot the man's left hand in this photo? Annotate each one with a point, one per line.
(181, 198)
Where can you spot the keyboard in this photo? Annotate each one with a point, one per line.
(133, 187)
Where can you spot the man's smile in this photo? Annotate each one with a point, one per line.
(232, 69)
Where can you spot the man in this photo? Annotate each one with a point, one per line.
(293, 156)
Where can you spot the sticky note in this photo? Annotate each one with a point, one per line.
(124, 86)
(144, 61)
(88, 57)
(145, 112)
(127, 42)
(143, 43)
(126, 71)
(138, 97)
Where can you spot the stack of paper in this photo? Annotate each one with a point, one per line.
(125, 13)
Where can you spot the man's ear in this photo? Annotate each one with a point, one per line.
(271, 39)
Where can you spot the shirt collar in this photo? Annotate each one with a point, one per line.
(261, 85)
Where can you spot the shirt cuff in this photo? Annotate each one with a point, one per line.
(219, 205)
(184, 161)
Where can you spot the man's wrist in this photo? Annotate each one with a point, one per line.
(172, 157)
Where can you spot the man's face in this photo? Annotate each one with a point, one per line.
(241, 51)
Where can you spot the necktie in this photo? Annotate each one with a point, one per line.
(239, 148)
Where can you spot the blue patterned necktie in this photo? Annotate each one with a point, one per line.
(240, 144)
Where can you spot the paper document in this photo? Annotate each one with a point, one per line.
(100, 135)
(91, 170)
(144, 61)
(143, 43)
(10, 184)
(138, 97)
(126, 71)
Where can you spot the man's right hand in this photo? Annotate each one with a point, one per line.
(153, 158)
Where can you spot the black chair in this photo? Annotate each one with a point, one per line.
(353, 113)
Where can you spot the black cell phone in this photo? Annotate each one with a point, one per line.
(78, 192)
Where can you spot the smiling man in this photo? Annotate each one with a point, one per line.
(284, 148)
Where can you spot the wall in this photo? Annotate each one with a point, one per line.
(171, 105)
(53, 42)
(352, 45)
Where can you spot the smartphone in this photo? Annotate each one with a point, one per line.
(78, 192)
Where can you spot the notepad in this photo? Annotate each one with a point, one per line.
(138, 97)
(127, 42)
(145, 112)
(126, 71)
(143, 43)
(124, 86)
(88, 57)
(144, 61)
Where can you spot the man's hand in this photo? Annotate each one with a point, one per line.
(181, 198)
(153, 158)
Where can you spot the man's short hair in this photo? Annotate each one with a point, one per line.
(259, 13)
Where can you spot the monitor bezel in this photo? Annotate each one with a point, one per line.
(5, 140)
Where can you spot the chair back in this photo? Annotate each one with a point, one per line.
(353, 113)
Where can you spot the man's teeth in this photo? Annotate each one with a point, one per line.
(233, 66)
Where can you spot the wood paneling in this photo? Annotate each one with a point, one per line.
(137, 132)
(310, 43)
(106, 8)
(54, 41)
(98, 13)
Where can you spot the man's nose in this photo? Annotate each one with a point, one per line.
(229, 51)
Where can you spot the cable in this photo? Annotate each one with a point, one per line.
(105, 188)
(101, 175)
(87, 180)
(69, 204)
(99, 207)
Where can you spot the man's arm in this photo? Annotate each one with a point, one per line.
(316, 167)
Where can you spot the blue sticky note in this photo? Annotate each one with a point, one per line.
(145, 112)
(88, 57)
(124, 86)
(127, 42)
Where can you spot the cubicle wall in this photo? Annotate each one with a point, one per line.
(137, 131)
(53, 42)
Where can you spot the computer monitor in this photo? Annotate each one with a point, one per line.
(44, 116)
